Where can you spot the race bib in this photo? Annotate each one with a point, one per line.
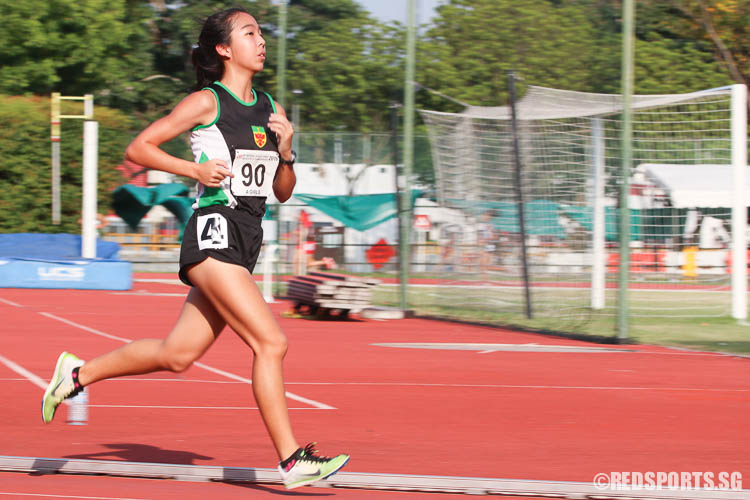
(212, 232)
(253, 172)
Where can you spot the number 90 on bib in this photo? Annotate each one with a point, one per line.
(253, 172)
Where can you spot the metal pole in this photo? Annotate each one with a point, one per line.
(519, 192)
(280, 96)
(296, 120)
(397, 192)
(739, 204)
(628, 15)
(406, 216)
(281, 64)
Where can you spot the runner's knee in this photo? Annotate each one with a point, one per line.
(274, 346)
(176, 362)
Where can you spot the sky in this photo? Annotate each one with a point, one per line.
(395, 10)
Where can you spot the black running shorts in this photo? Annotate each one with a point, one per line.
(223, 233)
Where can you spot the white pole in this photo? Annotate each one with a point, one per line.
(739, 205)
(56, 182)
(421, 253)
(598, 268)
(268, 260)
(88, 106)
(88, 217)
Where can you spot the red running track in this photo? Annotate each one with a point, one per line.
(517, 415)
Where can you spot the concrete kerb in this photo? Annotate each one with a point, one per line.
(355, 480)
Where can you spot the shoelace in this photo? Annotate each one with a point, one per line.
(310, 454)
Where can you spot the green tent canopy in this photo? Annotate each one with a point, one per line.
(132, 203)
(360, 212)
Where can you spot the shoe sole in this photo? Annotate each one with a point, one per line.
(52, 384)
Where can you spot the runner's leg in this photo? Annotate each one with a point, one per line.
(234, 294)
(198, 325)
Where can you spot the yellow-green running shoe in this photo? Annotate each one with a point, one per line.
(305, 467)
(62, 386)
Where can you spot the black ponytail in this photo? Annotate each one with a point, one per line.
(209, 66)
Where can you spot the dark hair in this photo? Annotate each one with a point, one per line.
(209, 66)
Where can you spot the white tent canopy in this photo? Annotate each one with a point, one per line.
(690, 186)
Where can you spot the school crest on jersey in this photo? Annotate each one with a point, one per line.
(259, 134)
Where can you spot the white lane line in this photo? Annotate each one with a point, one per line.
(167, 407)
(290, 395)
(295, 397)
(150, 294)
(418, 384)
(44, 495)
(26, 374)
(9, 302)
(85, 328)
(510, 386)
(166, 281)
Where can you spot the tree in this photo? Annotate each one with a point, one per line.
(474, 43)
(570, 44)
(74, 47)
(349, 73)
(665, 60)
(725, 24)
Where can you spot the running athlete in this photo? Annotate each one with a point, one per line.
(241, 141)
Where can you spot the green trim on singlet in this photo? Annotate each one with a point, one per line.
(255, 96)
(218, 111)
(211, 195)
(273, 103)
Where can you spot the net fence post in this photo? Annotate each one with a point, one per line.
(628, 12)
(598, 235)
(739, 203)
(519, 193)
(397, 193)
(406, 198)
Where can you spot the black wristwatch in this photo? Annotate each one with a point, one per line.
(290, 161)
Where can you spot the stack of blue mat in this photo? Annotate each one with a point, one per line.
(30, 260)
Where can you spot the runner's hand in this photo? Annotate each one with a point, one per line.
(210, 173)
(284, 131)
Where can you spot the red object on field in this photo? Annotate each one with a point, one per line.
(422, 222)
(640, 262)
(304, 219)
(380, 253)
(728, 262)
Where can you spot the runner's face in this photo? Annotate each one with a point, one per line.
(247, 43)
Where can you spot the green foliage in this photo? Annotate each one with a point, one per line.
(664, 65)
(134, 55)
(475, 42)
(73, 46)
(665, 61)
(25, 164)
(349, 73)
